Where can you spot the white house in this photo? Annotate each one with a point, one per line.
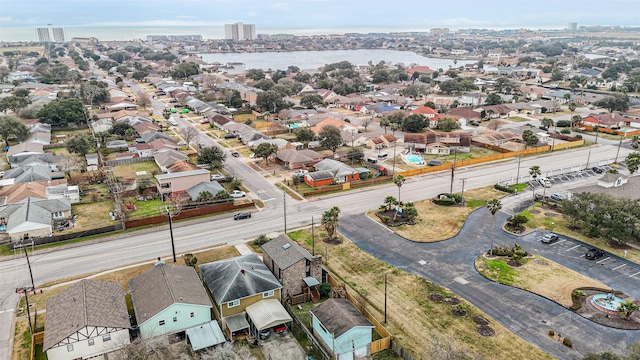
(86, 320)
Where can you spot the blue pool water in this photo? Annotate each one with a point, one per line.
(294, 126)
(414, 159)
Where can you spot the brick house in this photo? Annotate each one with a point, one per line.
(296, 269)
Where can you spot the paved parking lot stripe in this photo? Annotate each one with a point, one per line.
(634, 274)
(561, 241)
(618, 267)
(603, 260)
(575, 247)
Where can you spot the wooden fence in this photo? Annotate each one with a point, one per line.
(610, 131)
(129, 161)
(70, 236)
(185, 214)
(344, 186)
(36, 339)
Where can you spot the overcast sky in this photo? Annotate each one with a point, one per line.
(296, 14)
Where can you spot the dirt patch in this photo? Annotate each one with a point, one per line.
(332, 241)
(480, 320)
(485, 330)
(437, 223)
(436, 297)
(550, 280)
(452, 301)
(458, 313)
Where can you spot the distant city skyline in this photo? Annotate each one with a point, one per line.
(319, 14)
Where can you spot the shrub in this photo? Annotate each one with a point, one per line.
(510, 251)
(578, 136)
(325, 289)
(504, 188)
(563, 123)
(456, 197)
(567, 342)
(261, 240)
(552, 333)
(385, 219)
(565, 131)
(445, 202)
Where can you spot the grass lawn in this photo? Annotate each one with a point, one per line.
(436, 223)
(129, 171)
(476, 152)
(22, 337)
(92, 215)
(517, 119)
(70, 133)
(411, 317)
(553, 221)
(145, 208)
(539, 275)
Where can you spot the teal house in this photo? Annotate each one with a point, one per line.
(169, 299)
(342, 329)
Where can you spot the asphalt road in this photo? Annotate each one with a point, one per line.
(450, 264)
(72, 260)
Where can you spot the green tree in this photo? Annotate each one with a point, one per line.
(11, 127)
(390, 202)
(410, 212)
(494, 205)
(448, 124)
(546, 122)
(633, 161)
(81, 145)
(414, 123)
(205, 196)
(627, 308)
(264, 84)
(211, 156)
(304, 135)
(572, 106)
(634, 141)
(330, 221)
(355, 154)
(271, 101)
(576, 120)
(13, 103)
(312, 100)
(399, 181)
(21, 93)
(185, 70)
(254, 74)
(265, 150)
(529, 138)
(190, 259)
(120, 128)
(63, 112)
(493, 99)
(617, 102)
(330, 137)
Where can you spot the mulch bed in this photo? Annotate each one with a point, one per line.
(452, 301)
(514, 263)
(485, 330)
(390, 213)
(332, 241)
(458, 313)
(480, 320)
(436, 297)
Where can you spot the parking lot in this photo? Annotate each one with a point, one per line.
(612, 270)
(565, 178)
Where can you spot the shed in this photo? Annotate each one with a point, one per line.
(205, 335)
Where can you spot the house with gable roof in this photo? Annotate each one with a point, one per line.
(329, 171)
(86, 320)
(297, 159)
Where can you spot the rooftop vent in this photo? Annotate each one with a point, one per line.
(286, 246)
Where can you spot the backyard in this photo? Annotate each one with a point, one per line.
(129, 171)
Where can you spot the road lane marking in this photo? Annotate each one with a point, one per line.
(603, 260)
(422, 262)
(618, 267)
(8, 310)
(460, 280)
(561, 241)
(634, 274)
(575, 247)
(268, 200)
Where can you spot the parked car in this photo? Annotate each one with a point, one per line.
(300, 173)
(597, 170)
(594, 253)
(550, 238)
(474, 123)
(242, 215)
(229, 136)
(182, 143)
(557, 197)
(204, 121)
(238, 194)
(265, 333)
(545, 182)
(280, 329)
(218, 177)
(235, 154)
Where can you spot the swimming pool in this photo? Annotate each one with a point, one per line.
(413, 159)
(294, 126)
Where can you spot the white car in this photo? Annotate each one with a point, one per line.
(544, 182)
(237, 194)
(300, 173)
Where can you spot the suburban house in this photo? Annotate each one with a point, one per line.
(169, 299)
(297, 159)
(33, 217)
(238, 283)
(439, 143)
(342, 329)
(166, 157)
(381, 142)
(212, 187)
(86, 320)
(142, 150)
(298, 271)
(180, 181)
(609, 121)
(26, 174)
(22, 150)
(39, 137)
(425, 111)
(615, 185)
(117, 144)
(496, 138)
(329, 171)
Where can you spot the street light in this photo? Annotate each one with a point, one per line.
(518, 173)
(173, 246)
(618, 152)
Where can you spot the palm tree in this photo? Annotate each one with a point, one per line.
(494, 205)
(627, 308)
(534, 171)
(399, 181)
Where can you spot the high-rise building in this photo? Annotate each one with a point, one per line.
(572, 26)
(50, 34)
(240, 31)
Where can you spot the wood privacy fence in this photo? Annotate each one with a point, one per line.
(344, 186)
(377, 345)
(129, 161)
(610, 131)
(36, 339)
(70, 236)
(185, 214)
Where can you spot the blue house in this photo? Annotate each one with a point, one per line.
(169, 299)
(342, 329)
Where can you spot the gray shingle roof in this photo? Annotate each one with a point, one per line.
(213, 187)
(237, 278)
(86, 303)
(339, 316)
(285, 256)
(630, 190)
(163, 285)
(29, 174)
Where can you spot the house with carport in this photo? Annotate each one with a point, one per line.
(329, 171)
(342, 329)
(180, 181)
(87, 320)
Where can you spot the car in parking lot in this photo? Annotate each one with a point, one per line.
(549, 238)
(242, 215)
(545, 182)
(218, 177)
(594, 253)
(204, 121)
(557, 197)
(597, 170)
(237, 194)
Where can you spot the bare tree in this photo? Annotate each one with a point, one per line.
(365, 122)
(89, 92)
(189, 134)
(143, 99)
(148, 350)
(495, 124)
(228, 351)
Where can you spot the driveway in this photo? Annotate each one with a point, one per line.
(450, 264)
(282, 347)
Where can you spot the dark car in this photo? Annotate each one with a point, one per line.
(550, 238)
(242, 215)
(474, 123)
(264, 334)
(229, 136)
(593, 254)
(235, 154)
(597, 170)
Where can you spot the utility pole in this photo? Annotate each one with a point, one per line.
(26, 254)
(393, 173)
(618, 152)
(173, 246)
(284, 195)
(462, 200)
(518, 173)
(453, 169)
(313, 238)
(26, 298)
(588, 158)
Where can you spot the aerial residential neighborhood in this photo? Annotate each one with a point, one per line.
(155, 204)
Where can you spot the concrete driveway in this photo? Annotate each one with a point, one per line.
(282, 347)
(450, 264)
